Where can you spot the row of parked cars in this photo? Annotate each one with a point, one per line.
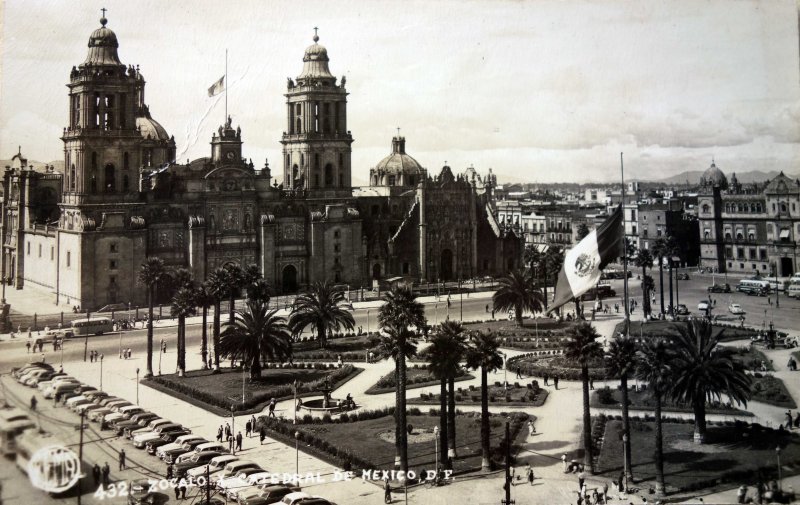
(194, 459)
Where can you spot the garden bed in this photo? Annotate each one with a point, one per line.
(667, 328)
(771, 390)
(515, 395)
(349, 346)
(734, 453)
(416, 377)
(553, 364)
(365, 440)
(217, 392)
(607, 398)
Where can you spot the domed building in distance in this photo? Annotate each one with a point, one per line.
(124, 198)
(713, 177)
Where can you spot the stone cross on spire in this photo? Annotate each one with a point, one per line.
(103, 19)
(104, 11)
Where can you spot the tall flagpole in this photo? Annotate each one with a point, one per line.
(624, 248)
(227, 82)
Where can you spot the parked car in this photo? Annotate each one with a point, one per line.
(719, 288)
(139, 492)
(681, 309)
(185, 448)
(791, 342)
(162, 451)
(197, 459)
(683, 276)
(254, 479)
(264, 494)
(736, 309)
(214, 465)
(704, 306)
(167, 438)
(204, 447)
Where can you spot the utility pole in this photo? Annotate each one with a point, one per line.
(208, 483)
(507, 487)
(80, 458)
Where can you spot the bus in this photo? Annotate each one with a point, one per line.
(47, 461)
(12, 423)
(95, 326)
(599, 292)
(753, 287)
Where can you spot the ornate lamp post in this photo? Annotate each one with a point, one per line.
(101, 372)
(297, 452)
(778, 454)
(436, 439)
(137, 386)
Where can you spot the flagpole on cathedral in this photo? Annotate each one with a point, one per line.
(624, 249)
(226, 85)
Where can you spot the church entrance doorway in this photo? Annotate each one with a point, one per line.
(376, 271)
(787, 269)
(446, 267)
(289, 280)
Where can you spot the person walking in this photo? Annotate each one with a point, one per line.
(253, 425)
(96, 474)
(227, 431)
(546, 378)
(170, 471)
(387, 491)
(272, 404)
(555, 382)
(530, 475)
(591, 384)
(239, 441)
(531, 428)
(247, 428)
(28, 345)
(219, 433)
(106, 474)
(262, 434)
(564, 462)
(122, 459)
(33, 403)
(519, 373)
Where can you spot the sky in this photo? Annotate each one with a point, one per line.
(537, 90)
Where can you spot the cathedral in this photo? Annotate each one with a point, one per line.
(83, 234)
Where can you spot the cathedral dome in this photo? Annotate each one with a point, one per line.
(315, 61)
(713, 176)
(150, 128)
(399, 162)
(103, 46)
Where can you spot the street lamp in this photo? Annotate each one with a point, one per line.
(101, 372)
(436, 317)
(625, 457)
(367, 321)
(436, 437)
(159, 359)
(137, 386)
(778, 454)
(505, 371)
(297, 453)
(294, 421)
(233, 431)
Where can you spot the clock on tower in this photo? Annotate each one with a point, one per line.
(226, 144)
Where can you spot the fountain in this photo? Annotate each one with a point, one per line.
(324, 404)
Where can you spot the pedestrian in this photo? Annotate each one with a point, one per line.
(219, 433)
(227, 431)
(564, 462)
(387, 491)
(492, 312)
(96, 474)
(581, 480)
(789, 422)
(262, 435)
(33, 403)
(591, 383)
(487, 308)
(272, 404)
(239, 441)
(797, 419)
(91, 356)
(595, 496)
(230, 443)
(519, 374)
(247, 428)
(28, 346)
(177, 492)
(532, 428)
(130, 352)
(209, 364)
(170, 471)
(555, 382)
(741, 494)
(545, 379)
(106, 474)
(182, 488)
(253, 425)
(605, 492)
(122, 459)
(530, 475)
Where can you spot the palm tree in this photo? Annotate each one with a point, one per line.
(183, 306)
(323, 309)
(483, 353)
(621, 362)
(553, 261)
(236, 280)
(397, 343)
(399, 312)
(204, 300)
(644, 260)
(454, 334)
(583, 348)
(516, 292)
(181, 278)
(654, 365)
(704, 371)
(659, 251)
(259, 289)
(670, 250)
(256, 334)
(440, 361)
(217, 285)
(151, 271)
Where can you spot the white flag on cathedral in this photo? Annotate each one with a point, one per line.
(218, 87)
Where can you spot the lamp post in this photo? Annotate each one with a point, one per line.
(625, 457)
(778, 454)
(120, 345)
(233, 431)
(436, 437)
(777, 288)
(297, 452)
(159, 359)
(436, 316)
(505, 371)
(367, 321)
(294, 421)
(101, 372)
(137, 386)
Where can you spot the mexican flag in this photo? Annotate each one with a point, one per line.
(584, 262)
(217, 88)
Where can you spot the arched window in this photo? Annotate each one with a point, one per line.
(302, 160)
(392, 180)
(125, 182)
(706, 208)
(727, 235)
(739, 236)
(72, 177)
(783, 207)
(110, 178)
(411, 180)
(328, 175)
(706, 234)
(751, 236)
(298, 125)
(126, 161)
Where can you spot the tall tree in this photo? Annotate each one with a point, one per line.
(259, 289)
(621, 362)
(150, 273)
(204, 300)
(256, 334)
(440, 362)
(236, 281)
(581, 231)
(399, 313)
(654, 366)
(457, 338)
(670, 251)
(515, 292)
(644, 260)
(583, 348)
(483, 353)
(217, 284)
(183, 306)
(704, 371)
(322, 308)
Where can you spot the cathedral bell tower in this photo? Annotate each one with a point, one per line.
(316, 145)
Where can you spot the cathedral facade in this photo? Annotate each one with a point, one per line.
(83, 234)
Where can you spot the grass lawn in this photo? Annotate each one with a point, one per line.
(516, 395)
(612, 398)
(752, 359)
(732, 454)
(416, 377)
(666, 328)
(373, 440)
(771, 390)
(350, 347)
(555, 365)
(216, 392)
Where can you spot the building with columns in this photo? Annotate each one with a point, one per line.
(82, 235)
